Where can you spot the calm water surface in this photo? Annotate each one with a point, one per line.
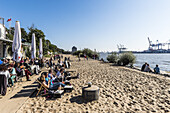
(163, 60)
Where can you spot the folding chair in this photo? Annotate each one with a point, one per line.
(41, 87)
(57, 93)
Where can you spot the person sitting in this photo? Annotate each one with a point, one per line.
(13, 74)
(51, 62)
(31, 62)
(60, 63)
(46, 63)
(50, 74)
(157, 70)
(22, 61)
(20, 70)
(60, 74)
(34, 68)
(47, 78)
(143, 66)
(41, 62)
(56, 69)
(36, 64)
(27, 66)
(147, 68)
(51, 86)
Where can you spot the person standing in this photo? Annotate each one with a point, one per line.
(3, 79)
(79, 57)
(85, 56)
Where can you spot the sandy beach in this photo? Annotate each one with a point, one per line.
(121, 90)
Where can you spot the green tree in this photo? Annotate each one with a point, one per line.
(90, 53)
(38, 34)
(53, 47)
(48, 43)
(24, 34)
(10, 33)
(77, 52)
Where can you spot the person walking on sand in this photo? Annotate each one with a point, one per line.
(79, 57)
(85, 56)
(157, 70)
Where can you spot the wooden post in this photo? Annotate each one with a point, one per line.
(90, 93)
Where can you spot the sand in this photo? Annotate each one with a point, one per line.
(121, 90)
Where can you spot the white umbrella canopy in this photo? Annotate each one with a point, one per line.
(41, 49)
(33, 47)
(16, 45)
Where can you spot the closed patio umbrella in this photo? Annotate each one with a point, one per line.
(33, 47)
(41, 49)
(16, 45)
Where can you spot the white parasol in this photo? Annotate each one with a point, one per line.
(33, 47)
(16, 45)
(41, 49)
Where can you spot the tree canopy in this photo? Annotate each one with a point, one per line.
(47, 45)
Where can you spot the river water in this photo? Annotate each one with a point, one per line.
(163, 60)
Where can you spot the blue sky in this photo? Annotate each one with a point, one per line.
(94, 24)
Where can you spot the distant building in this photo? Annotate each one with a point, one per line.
(74, 49)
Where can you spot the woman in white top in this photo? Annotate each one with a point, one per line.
(4, 71)
(147, 68)
(60, 74)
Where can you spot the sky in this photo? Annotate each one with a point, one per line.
(94, 24)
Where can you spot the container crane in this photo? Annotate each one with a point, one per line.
(121, 47)
(156, 46)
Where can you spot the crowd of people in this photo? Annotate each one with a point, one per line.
(14, 71)
(146, 68)
(55, 78)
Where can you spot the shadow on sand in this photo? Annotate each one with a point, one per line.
(27, 91)
(79, 100)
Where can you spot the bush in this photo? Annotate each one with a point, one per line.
(47, 55)
(127, 58)
(90, 53)
(77, 52)
(112, 58)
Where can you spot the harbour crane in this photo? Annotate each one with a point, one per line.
(121, 47)
(156, 46)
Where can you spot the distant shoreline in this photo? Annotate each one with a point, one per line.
(132, 52)
(162, 73)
